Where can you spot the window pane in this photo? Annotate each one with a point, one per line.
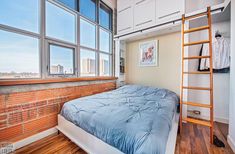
(87, 34)
(60, 24)
(87, 63)
(104, 41)
(61, 60)
(22, 14)
(19, 56)
(104, 65)
(105, 17)
(88, 9)
(70, 3)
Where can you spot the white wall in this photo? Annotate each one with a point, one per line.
(231, 136)
(221, 81)
(166, 74)
(193, 5)
(111, 3)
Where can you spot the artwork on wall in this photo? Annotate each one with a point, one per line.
(148, 53)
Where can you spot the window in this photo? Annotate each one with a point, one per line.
(61, 60)
(60, 24)
(104, 65)
(23, 14)
(75, 37)
(87, 34)
(19, 56)
(88, 9)
(70, 3)
(105, 16)
(104, 40)
(87, 62)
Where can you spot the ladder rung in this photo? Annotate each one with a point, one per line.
(197, 104)
(196, 121)
(197, 72)
(196, 57)
(196, 29)
(198, 42)
(197, 88)
(195, 16)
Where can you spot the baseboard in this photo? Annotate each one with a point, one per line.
(231, 143)
(36, 137)
(217, 119)
(221, 120)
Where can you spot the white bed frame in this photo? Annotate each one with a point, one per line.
(93, 145)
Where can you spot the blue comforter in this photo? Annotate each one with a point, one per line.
(134, 119)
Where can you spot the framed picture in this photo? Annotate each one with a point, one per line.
(148, 53)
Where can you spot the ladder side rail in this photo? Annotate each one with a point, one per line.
(211, 76)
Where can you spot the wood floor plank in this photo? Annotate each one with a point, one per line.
(195, 139)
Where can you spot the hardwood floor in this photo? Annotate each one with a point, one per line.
(53, 144)
(194, 140)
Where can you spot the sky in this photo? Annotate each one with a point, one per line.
(87, 32)
(21, 14)
(20, 53)
(60, 23)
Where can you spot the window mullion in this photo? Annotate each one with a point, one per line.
(78, 58)
(43, 50)
(98, 49)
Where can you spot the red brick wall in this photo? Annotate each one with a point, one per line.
(26, 113)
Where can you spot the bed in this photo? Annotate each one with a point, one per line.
(131, 119)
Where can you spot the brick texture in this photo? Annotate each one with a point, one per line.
(24, 114)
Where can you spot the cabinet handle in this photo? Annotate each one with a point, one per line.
(124, 29)
(140, 2)
(144, 22)
(124, 9)
(168, 15)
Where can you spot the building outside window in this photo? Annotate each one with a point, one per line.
(88, 62)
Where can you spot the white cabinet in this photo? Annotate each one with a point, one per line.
(124, 16)
(167, 10)
(133, 15)
(144, 13)
(123, 4)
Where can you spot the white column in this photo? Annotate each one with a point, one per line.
(117, 58)
(231, 135)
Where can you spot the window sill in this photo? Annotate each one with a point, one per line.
(45, 81)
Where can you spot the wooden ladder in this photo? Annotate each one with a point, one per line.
(210, 89)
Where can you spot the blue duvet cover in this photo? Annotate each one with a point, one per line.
(134, 119)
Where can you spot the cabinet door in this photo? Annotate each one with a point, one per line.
(123, 4)
(144, 13)
(125, 20)
(167, 10)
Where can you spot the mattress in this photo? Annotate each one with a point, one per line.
(134, 119)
